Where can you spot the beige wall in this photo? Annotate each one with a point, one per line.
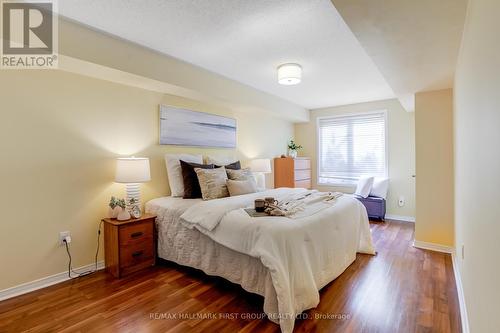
(434, 165)
(59, 136)
(183, 79)
(401, 152)
(477, 164)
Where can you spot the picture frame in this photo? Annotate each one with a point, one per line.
(185, 127)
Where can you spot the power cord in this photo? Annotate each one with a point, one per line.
(84, 273)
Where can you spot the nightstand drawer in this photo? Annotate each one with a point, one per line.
(135, 233)
(136, 254)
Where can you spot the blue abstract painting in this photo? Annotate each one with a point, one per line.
(192, 128)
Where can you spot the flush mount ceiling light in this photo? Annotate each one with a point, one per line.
(289, 74)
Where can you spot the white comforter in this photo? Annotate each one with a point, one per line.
(302, 254)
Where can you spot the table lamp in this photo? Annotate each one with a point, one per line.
(132, 171)
(260, 167)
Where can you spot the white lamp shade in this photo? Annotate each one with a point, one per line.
(132, 170)
(261, 165)
(289, 74)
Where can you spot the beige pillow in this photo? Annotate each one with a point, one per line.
(174, 171)
(221, 160)
(212, 183)
(239, 187)
(241, 174)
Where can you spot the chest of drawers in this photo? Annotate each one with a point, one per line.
(292, 172)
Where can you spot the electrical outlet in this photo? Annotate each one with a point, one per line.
(401, 201)
(62, 236)
(463, 252)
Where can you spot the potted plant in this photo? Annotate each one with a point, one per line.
(293, 148)
(113, 209)
(124, 214)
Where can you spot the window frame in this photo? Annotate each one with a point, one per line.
(349, 182)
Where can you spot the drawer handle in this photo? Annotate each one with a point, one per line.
(137, 253)
(136, 234)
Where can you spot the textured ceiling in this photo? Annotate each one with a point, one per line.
(246, 40)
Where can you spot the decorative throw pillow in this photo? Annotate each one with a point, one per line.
(233, 166)
(192, 188)
(239, 187)
(364, 186)
(174, 171)
(212, 183)
(242, 174)
(380, 187)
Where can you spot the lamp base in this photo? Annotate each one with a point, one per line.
(134, 192)
(260, 179)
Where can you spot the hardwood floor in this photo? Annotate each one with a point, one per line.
(402, 289)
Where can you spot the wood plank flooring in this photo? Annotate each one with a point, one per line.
(402, 289)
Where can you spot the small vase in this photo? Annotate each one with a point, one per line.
(123, 215)
(292, 153)
(113, 212)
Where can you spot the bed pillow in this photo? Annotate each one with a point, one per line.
(240, 187)
(380, 187)
(212, 183)
(192, 188)
(233, 166)
(242, 174)
(174, 171)
(221, 160)
(364, 186)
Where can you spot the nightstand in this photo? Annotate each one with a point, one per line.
(129, 245)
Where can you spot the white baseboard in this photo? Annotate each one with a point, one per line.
(433, 247)
(400, 218)
(461, 296)
(44, 282)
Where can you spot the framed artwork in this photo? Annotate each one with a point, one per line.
(191, 128)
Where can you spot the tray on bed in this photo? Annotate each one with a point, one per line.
(253, 213)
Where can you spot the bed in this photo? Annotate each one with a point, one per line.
(285, 260)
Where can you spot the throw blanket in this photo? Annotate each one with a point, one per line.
(302, 205)
(302, 254)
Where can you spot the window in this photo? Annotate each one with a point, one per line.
(351, 146)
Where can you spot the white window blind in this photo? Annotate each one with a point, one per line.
(351, 146)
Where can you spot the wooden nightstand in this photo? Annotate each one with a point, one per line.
(129, 245)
